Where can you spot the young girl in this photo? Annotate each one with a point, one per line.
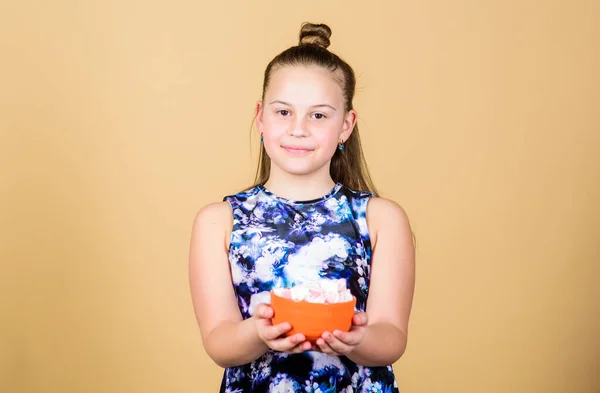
(311, 214)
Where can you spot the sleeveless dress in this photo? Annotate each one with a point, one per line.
(276, 242)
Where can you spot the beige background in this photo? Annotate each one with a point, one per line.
(120, 119)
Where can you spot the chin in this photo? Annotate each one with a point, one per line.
(298, 168)
(299, 171)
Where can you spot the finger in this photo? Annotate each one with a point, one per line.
(288, 343)
(324, 347)
(263, 311)
(336, 345)
(350, 338)
(302, 347)
(275, 331)
(360, 319)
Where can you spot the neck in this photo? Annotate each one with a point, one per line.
(299, 187)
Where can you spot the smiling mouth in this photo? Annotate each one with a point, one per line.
(296, 150)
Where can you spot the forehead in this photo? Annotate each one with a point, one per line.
(304, 85)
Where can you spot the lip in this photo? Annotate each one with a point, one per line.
(297, 149)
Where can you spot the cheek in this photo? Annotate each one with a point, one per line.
(333, 132)
(273, 126)
(329, 139)
(273, 133)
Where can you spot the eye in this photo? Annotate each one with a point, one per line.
(319, 116)
(283, 112)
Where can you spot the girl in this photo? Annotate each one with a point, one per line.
(312, 213)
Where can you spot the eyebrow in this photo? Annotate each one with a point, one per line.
(314, 106)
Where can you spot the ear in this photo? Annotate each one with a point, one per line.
(258, 117)
(350, 120)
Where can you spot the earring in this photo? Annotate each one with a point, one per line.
(341, 147)
(261, 138)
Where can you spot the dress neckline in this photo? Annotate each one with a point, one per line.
(330, 194)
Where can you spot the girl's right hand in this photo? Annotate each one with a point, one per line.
(272, 335)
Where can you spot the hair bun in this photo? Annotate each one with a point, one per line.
(315, 34)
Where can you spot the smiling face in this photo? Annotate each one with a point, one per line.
(302, 119)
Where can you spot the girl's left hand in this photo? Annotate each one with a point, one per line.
(340, 343)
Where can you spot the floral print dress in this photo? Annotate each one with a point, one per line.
(276, 242)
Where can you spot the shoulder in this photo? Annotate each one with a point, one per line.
(385, 215)
(213, 215)
(214, 209)
(381, 208)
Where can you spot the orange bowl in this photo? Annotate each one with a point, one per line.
(312, 319)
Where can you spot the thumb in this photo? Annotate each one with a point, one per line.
(360, 319)
(263, 311)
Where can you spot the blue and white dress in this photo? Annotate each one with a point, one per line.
(277, 242)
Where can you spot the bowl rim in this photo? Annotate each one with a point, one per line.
(353, 300)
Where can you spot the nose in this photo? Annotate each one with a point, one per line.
(298, 128)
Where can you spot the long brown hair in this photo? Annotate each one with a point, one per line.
(348, 166)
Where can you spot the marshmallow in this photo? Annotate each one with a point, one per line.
(321, 291)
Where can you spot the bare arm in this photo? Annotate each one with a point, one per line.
(391, 288)
(227, 339)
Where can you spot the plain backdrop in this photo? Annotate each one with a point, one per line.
(120, 119)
